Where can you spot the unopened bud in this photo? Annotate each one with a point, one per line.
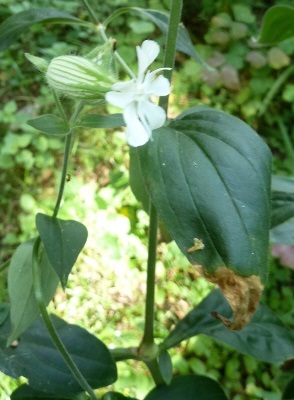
(38, 62)
(78, 77)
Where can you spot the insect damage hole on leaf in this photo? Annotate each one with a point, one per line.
(242, 293)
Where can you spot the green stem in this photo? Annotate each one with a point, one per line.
(63, 173)
(148, 337)
(90, 11)
(274, 89)
(51, 328)
(287, 141)
(59, 105)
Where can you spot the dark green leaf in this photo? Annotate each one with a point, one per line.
(24, 308)
(282, 200)
(277, 24)
(208, 174)
(63, 242)
(50, 124)
(37, 359)
(188, 387)
(289, 391)
(13, 27)
(101, 121)
(265, 337)
(25, 392)
(116, 396)
(165, 366)
(136, 180)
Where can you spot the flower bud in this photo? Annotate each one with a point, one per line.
(78, 77)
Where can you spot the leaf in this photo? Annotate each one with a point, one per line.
(188, 387)
(37, 359)
(101, 121)
(277, 24)
(136, 180)
(24, 308)
(13, 27)
(63, 242)
(50, 124)
(165, 366)
(265, 337)
(25, 392)
(282, 200)
(284, 233)
(208, 175)
(4, 312)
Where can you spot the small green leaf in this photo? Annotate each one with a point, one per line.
(208, 175)
(136, 180)
(282, 200)
(36, 358)
(13, 27)
(284, 233)
(25, 392)
(63, 242)
(277, 24)
(165, 366)
(101, 121)
(24, 308)
(188, 387)
(265, 338)
(50, 124)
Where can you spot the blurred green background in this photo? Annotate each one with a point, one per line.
(106, 288)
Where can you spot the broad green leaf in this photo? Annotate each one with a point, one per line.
(265, 337)
(101, 121)
(208, 174)
(277, 24)
(289, 391)
(161, 20)
(24, 308)
(136, 180)
(50, 124)
(165, 366)
(63, 242)
(188, 387)
(115, 396)
(15, 25)
(46, 370)
(25, 392)
(282, 200)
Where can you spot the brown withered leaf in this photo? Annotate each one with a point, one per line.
(242, 293)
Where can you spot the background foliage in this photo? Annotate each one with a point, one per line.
(99, 295)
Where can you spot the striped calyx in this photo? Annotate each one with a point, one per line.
(78, 77)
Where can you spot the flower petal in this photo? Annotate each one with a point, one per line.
(160, 86)
(146, 54)
(124, 86)
(119, 99)
(151, 115)
(136, 132)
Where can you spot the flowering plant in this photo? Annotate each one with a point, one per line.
(205, 174)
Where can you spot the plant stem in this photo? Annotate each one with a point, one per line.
(287, 141)
(51, 328)
(90, 11)
(4, 266)
(63, 173)
(148, 337)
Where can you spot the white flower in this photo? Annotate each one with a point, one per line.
(140, 114)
